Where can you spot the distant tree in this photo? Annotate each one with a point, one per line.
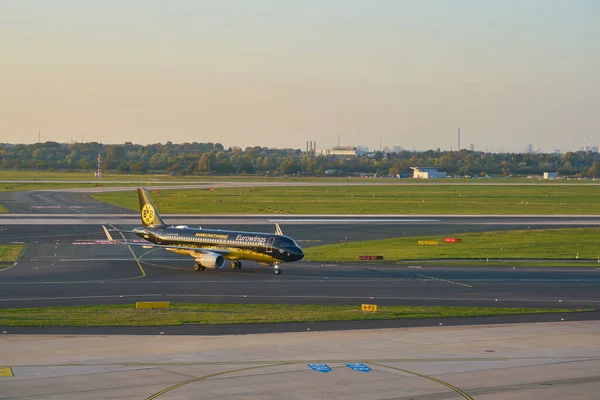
(594, 171)
(207, 163)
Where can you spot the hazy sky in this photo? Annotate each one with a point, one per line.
(279, 73)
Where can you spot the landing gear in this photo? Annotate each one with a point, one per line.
(276, 269)
(236, 265)
(198, 267)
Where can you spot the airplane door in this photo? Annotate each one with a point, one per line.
(270, 244)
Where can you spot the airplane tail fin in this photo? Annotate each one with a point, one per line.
(278, 230)
(150, 216)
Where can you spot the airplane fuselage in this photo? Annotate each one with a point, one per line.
(233, 245)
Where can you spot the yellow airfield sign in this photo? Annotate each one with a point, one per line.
(369, 307)
(152, 304)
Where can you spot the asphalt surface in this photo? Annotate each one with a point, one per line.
(493, 362)
(57, 202)
(63, 264)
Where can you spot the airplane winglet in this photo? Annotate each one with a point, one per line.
(108, 236)
(278, 229)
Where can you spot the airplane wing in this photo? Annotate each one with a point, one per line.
(149, 245)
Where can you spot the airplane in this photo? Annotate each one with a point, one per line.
(210, 248)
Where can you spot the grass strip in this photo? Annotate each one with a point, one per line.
(534, 244)
(163, 177)
(179, 314)
(22, 186)
(9, 253)
(381, 199)
(499, 263)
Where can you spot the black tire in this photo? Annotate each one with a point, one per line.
(198, 267)
(277, 271)
(233, 265)
(239, 265)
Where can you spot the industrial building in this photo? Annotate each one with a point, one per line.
(341, 152)
(550, 175)
(427, 173)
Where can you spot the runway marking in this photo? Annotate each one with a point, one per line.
(134, 256)
(211, 280)
(6, 372)
(106, 259)
(153, 250)
(457, 390)
(86, 297)
(155, 395)
(238, 296)
(55, 207)
(101, 281)
(60, 205)
(244, 272)
(445, 280)
(167, 266)
(353, 220)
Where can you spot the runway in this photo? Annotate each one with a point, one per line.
(56, 269)
(63, 265)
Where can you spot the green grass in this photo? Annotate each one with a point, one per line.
(499, 263)
(9, 253)
(150, 177)
(85, 176)
(545, 244)
(18, 186)
(179, 314)
(108, 175)
(385, 199)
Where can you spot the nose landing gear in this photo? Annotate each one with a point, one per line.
(276, 269)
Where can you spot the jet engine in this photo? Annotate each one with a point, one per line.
(211, 260)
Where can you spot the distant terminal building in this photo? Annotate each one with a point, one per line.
(427, 173)
(550, 175)
(342, 151)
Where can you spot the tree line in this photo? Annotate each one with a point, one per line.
(213, 158)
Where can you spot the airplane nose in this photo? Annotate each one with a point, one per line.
(293, 253)
(299, 254)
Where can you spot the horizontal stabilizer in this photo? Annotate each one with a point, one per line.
(108, 235)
